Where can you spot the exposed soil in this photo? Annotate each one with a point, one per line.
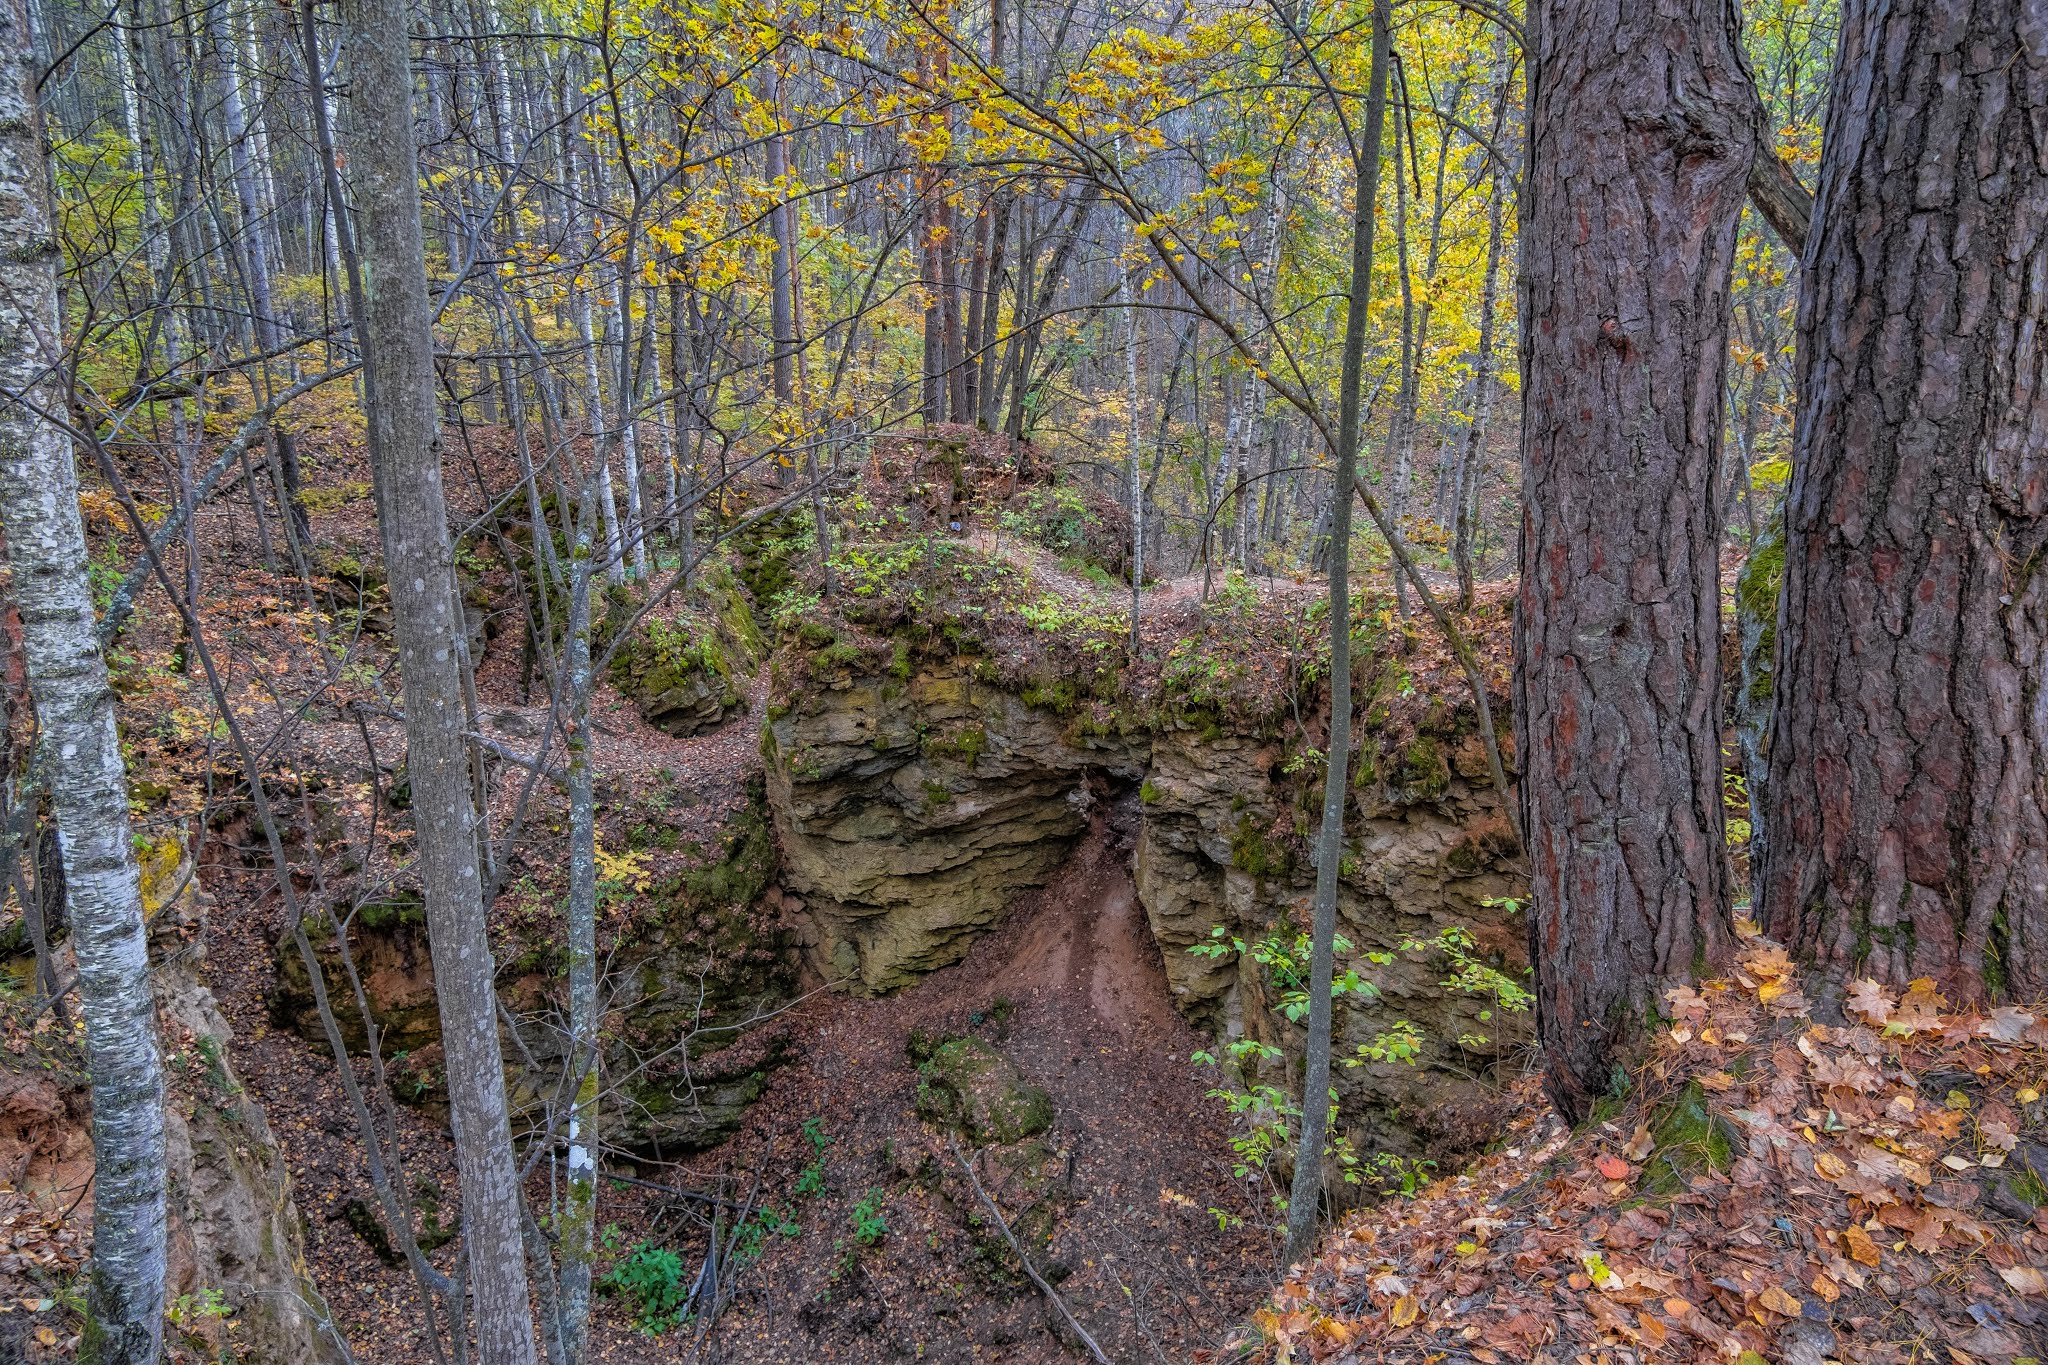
(1072, 992)
(1157, 1249)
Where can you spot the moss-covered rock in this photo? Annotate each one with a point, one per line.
(691, 964)
(968, 1085)
(686, 675)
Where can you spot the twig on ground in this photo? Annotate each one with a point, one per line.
(1045, 1286)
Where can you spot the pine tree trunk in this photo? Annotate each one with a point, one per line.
(88, 783)
(405, 449)
(1640, 136)
(1908, 817)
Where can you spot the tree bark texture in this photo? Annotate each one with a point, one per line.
(405, 450)
(88, 781)
(1306, 1190)
(1908, 820)
(1641, 131)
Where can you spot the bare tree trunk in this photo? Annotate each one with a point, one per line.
(1128, 298)
(75, 713)
(1473, 465)
(781, 231)
(1908, 817)
(1400, 435)
(405, 450)
(1617, 668)
(1305, 1198)
(932, 389)
(580, 1211)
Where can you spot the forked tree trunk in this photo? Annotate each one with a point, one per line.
(75, 711)
(1908, 820)
(1640, 137)
(404, 434)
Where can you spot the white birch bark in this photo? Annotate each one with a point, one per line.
(580, 1212)
(75, 714)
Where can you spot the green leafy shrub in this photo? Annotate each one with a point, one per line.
(869, 1224)
(650, 1280)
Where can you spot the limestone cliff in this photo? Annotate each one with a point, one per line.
(912, 807)
(918, 782)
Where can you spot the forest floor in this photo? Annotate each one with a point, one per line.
(1859, 1179)
(1071, 991)
(1156, 1250)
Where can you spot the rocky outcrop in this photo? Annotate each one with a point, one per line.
(913, 806)
(235, 1231)
(914, 800)
(703, 956)
(236, 1279)
(1417, 867)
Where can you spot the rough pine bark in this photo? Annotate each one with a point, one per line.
(88, 782)
(1908, 821)
(1641, 132)
(412, 518)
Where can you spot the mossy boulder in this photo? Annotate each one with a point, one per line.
(968, 1085)
(685, 675)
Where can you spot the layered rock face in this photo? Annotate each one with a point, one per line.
(912, 808)
(1417, 866)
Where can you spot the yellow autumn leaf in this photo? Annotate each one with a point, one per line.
(1778, 1301)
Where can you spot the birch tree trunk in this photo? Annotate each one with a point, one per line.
(580, 1211)
(1641, 128)
(1907, 825)
(405, 450)
(75, 712)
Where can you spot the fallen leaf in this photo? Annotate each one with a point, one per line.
(1640, 1144)
(1870, 1000)
(1778, 1301)
(1613, 1167)
(1825, 1286)
(1677, 1307)
(1860, 1247)
(2024, 1279)
(1405, 1311)
(2007, 1024)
